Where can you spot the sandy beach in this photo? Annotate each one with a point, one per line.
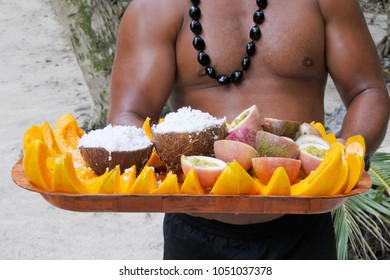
(40, 80)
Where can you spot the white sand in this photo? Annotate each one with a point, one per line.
(40, 80)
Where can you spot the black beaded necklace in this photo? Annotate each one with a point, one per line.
(199, 44)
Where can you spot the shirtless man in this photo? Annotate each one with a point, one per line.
(301, 43)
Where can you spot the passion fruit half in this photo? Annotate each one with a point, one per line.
(272, 145)
(206, 168)
(250, 117)
(230, 150)
(311, 155)
(264, 167)
(287, 128)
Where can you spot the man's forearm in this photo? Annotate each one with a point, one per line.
(368, 115)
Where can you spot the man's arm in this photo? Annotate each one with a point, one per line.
(144, 67)
(354, 65)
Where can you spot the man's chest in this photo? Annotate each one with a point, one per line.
(292, 42)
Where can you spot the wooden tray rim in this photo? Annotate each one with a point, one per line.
(182, 203)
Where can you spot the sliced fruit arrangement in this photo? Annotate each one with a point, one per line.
(250, 156)
(207, 168)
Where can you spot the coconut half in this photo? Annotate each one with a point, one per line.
(186, 132)
(103, 149)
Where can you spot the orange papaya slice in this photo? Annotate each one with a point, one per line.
(191, 184)
(169, 185)
(234, 180)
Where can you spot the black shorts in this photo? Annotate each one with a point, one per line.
(293, 237)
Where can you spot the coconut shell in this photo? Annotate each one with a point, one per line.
(100, 160)
(170, 146)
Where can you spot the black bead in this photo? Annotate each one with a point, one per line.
(258, 17)
(194, 12)
(203, 58)
(196, 27)
(210, 71)
(246, 62)
(198, 43)
(262, 3)
(223, 80)
(236, 77)
(251, 48)
(255, 33)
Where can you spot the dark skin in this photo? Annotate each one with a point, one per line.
(301, 44)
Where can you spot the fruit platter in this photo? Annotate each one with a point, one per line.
(201, 165)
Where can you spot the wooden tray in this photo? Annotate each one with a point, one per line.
(190, 203)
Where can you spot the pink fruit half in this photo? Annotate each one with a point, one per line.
(287, 128)
(311, 139)
(206, 168)
(264, 167)
(272, 145)
(230, 150)
(311, 155)
(243, 134)
(308, 129)
(248, 118)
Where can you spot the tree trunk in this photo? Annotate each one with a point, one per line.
(92, 26)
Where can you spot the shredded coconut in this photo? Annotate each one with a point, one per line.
(187, 119)
(116, 138)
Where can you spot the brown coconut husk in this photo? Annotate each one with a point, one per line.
(100, 160)
(171, 146)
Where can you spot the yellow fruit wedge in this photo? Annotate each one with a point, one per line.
(67, 133)
(356, 168)
(110, 181)
(234, 180)
(319, 126)
(356, 145)
(260, 185)
(48, 136)
(279, 184)
(154, 160)
(145, 183)
(330, 138)
(106, 183)
(32, 133)
(85, 173)
(170, 185)
(320, 181)
(146, 128)
(35, 164)
(50, 163)
(65, 179)
(191, 184)
(342, 182)
(127, 180)
(340, 146)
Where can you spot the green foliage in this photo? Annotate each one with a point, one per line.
(361, 224)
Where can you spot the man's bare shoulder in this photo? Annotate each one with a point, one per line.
(336, 8)
(157, 17)
(161, 10)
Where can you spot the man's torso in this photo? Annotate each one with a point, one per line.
(287, 75)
